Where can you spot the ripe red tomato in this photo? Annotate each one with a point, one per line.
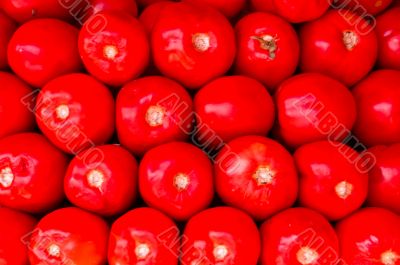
(341, 46)
(230, 8)
(370, 237)
(14, 234)
(176, 178)
(128, 6)
(378, 105)
(266, 44)
(151, 13)
(221, 235)
(232, 106)
(69, 236)
(145, 3)
(298, 236)
(310, 108)
(7, 28)
(363, 7)
(152, 111)
(15, 116)
(114, 47)
(67, 114)
(257, 175)
(38, 59)
(31, 173)
(388, 32)
(192, 44)
(138, 237)
(106, 184)
(329, 182)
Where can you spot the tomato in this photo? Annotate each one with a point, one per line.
(341, 46)
(310, 108)
(220, 235)
(378, 105)
(257, 175)
(298, 236)
(15, 228)
(15, 116)
(7, 28)
(150, 14)
(67, 114)
(106, 184)
(363, 7)
(152, 111)
(388, 32)
(266, 44)
(31, 173)
(145, 3)
(138, 237)
(177, 179)
(230, 8)
(232, 106)
(114, 47)
(69, 236)
(128, 6)
(192, 44)
(370, 237)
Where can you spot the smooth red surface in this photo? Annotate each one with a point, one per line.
(7, 28)
(150, 15)
(128, 6)
(230, 8)
(145, 3)
(363, 7)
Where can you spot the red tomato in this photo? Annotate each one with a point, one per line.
(342, 47)
(388, 32)
(152, 111)
(150, 15)
(192, 44)
(266, 44)
(310, 108)
(7, 28)
(298, 236)
(38, 59)
(15, 228)
(232, 106)
(363, 7)
(230, 8)
(128, 6)
(329, 182)
(15, 115)
(378, 105)
(31, 173)
(370, 237)
(257, 175)
(177, 179)
(145, 3)
(221, 235)
(114, 47)
(75, 112)
(138, 237)
(69, 236)
(106, 184)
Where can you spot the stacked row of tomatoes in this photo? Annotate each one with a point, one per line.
(200, 132)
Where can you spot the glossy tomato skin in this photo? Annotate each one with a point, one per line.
(268, 48)
(329, 182)
(370, 236)
(176, 178)
(257, 175)
(378, 106)
(15, 116)
(7, 28)
(149, 16)
(307, 104)
(67, 114)
(143, 232)
(128, 6)
(145, 3)
(69, 235)
(230, 8)
(363, 7)
(15, 228)
(116, 52)
(334, 47)
(31, 173)
(290, 238)
(221, 235)
(36, 59)
(152, 111)
(232, 106)
(105, 185)
(192, 44)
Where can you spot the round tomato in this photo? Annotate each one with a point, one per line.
(31, 173)
(150, 14)
(75, 112)
(335, 46)
(192, 44)
(69, 236)
(257, 175)
(128, 6)
(176, 178)
(143, 236)
(38, 59)
(298, 236)
(145, 3)
(363, 7)
(7, 28)
(230, 8)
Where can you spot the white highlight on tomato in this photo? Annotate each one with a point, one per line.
(307, 256)
(201, 42)
(343, 189)
(95, 178)
(110, 51)
(142, 251)
(6, 177)
(155, 116)
(220, 252)
(62, 112)
(389, 258)
(54, 251)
